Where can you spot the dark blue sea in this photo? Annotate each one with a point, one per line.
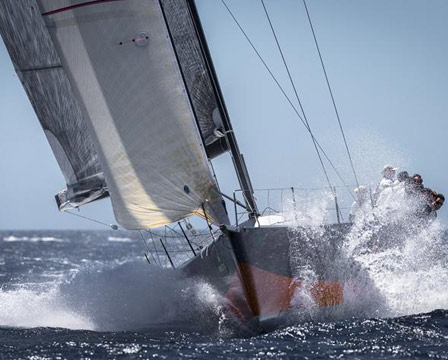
(92, 295)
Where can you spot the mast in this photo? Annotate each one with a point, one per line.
(237, 156)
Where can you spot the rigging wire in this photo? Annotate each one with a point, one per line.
(285, 95)
(155, 249)
(204, 238)
(112, 226)
(147, 247)
(297, 96)
(331, 92)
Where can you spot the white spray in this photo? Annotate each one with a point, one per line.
(391, 263)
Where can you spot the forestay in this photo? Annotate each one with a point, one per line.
(45, 81)
(123, 68)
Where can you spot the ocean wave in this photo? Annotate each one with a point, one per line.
(119, 239)
(13, 238)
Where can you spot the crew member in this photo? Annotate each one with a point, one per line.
(415, 185)
(418, 179)
(386, 182)
(431, 202)
(403, 177)
(438, 202)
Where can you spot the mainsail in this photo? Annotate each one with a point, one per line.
(149, 114)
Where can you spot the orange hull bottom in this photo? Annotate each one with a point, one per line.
(266, 294)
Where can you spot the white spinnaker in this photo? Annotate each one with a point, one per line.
(122, 65)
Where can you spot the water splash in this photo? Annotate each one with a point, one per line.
(391, 262)
(407, 263)
(28, 308)
(135, 295)
(307, 211)
(126, 296)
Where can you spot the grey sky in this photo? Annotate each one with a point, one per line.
(386, 61)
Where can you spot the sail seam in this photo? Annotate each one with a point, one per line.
(76, 6)
(40, 68)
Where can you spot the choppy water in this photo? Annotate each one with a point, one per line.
(75, 294)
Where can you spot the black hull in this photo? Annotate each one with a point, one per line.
(251, 268)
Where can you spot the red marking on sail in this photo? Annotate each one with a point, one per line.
(71, 7)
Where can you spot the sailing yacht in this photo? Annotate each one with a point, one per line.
(129, 100)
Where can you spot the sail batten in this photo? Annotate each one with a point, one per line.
(75, 6)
